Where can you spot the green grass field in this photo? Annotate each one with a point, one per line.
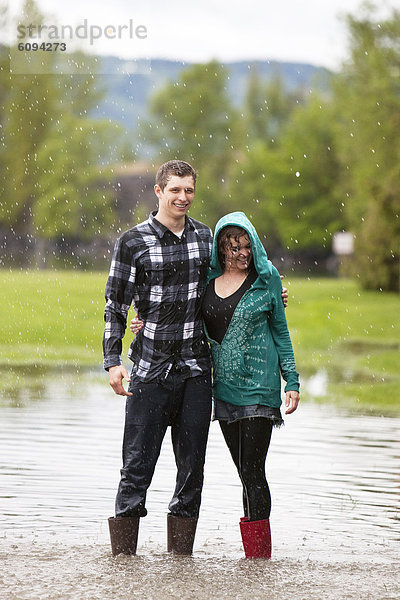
(353, 336)
(54, 318)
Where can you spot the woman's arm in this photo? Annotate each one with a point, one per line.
(280, 335)
(291, 401)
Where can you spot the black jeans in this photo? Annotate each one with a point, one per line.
(248, 442)
(185, 405)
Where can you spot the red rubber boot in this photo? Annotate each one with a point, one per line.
(256, 538)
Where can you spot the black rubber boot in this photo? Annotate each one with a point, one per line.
(181, 532)
(123, 534)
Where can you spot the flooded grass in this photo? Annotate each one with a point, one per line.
(356, 392)
(350, 335)
(56, 319)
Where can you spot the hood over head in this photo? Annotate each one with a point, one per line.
(260, 258)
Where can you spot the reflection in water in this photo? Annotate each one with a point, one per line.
(334, 481)
(21, 385)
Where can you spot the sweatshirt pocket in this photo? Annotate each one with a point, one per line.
(243, 365)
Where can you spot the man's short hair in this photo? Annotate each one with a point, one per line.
(180, 168)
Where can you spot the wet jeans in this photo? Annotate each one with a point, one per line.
(185, 405)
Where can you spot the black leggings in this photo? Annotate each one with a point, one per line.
(248, 442)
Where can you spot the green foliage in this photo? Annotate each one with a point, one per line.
(308, 212)
(301, 166)
(267, 108)
(251, 160)
(290, 187)
(250, 190)
(67, 199)
(47, 114)
(28, 101)
(52, 154)
(212, 201)
(191, 118)
(368, 103)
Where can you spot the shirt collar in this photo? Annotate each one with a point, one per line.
(160, 229)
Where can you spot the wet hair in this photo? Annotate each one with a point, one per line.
(180, 168)
(223, 241)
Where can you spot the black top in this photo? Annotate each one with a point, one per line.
(218, 312)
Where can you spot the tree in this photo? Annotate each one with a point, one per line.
(305, 182)
(250, 189)
(68, 202)
(367, 94)
(28, 107)
(192, 116)
(192, 119)
(52, 153)
(290, 187)
(267, 108)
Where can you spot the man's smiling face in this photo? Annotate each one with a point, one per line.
(177, 196)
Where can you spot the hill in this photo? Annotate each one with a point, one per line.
(129, 88)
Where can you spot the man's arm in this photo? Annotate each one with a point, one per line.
(117, 375)
(119, 294)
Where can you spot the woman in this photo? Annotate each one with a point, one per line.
(246, 326)
(245, 323)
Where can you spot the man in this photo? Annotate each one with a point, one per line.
(160, 266)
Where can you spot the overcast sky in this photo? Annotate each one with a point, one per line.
(309, 31)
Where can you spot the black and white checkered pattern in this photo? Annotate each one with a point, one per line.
(164, 277)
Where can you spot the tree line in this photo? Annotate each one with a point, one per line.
(303, 164)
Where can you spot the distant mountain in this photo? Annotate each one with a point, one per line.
(128, 85)
(128, 91)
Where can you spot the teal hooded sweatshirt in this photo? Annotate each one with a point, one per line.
(256, 348)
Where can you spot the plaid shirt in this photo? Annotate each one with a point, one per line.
(164, 277)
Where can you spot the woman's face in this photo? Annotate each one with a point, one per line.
(238, 254)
